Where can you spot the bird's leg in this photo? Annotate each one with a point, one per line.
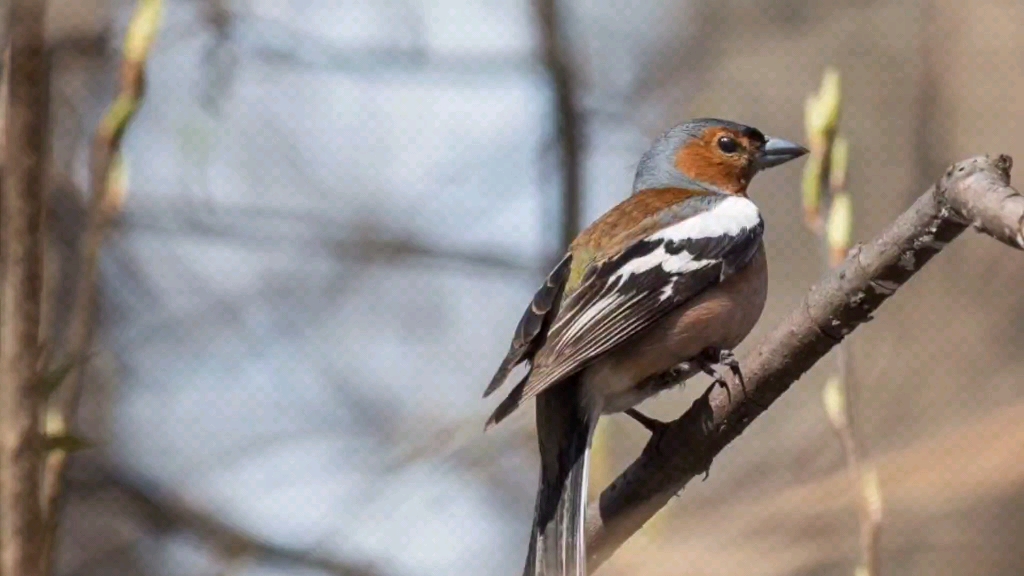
(652, 425)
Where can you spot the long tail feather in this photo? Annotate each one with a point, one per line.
(564, 430)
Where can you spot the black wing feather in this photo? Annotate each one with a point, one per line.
(532, 329)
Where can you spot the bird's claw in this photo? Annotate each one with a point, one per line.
(713, 356)
(716, 356)
(653, 426)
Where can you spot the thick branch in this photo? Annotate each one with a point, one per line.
(999, 212)
(973, 191)
(21, 254)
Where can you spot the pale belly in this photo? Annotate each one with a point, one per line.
(720, 318)
(617, 391)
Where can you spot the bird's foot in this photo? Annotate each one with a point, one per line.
(653, 426)
(714, 356)
(711, 358)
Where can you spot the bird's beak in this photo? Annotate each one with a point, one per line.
(778, 151)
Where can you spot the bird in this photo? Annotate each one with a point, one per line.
(672, 278)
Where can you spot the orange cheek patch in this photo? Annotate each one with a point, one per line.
(701, 161)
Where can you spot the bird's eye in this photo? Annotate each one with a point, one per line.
(728, 145)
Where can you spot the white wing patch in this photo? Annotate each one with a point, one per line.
(667, 291)
(673, 263)
(726, 218)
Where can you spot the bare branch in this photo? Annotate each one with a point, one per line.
(998, 213)
(568, 131)
(105, 150)
(378, 248)
(313, 233)
(969, 192)
(22, 205)
(163, 512)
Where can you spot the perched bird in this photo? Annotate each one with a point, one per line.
(674, 275)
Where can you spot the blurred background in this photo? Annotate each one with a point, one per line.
(336, 211)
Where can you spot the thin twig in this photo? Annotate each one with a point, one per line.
(164, 512)
(21, 243)
(105, 150)
(319, 236)
(831, 221)
(559, 66)
(930, 139)
(846, 298)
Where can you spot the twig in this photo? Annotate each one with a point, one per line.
(5, 83)
(22, 207)
(832, 223)
(568, 134)
(929, 138)
(847, 297)
(320, 236)
(105, 151)
(163, 513)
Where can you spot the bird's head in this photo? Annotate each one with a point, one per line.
(709, 153)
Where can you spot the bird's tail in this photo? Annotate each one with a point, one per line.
(564, 431)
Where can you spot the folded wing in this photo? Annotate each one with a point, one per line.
(626, 293)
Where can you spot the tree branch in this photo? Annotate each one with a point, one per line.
(103, 205)
(568, 133)
(975, 191)
(22, 203)
(163, 513)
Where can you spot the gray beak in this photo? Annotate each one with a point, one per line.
(778, 151)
